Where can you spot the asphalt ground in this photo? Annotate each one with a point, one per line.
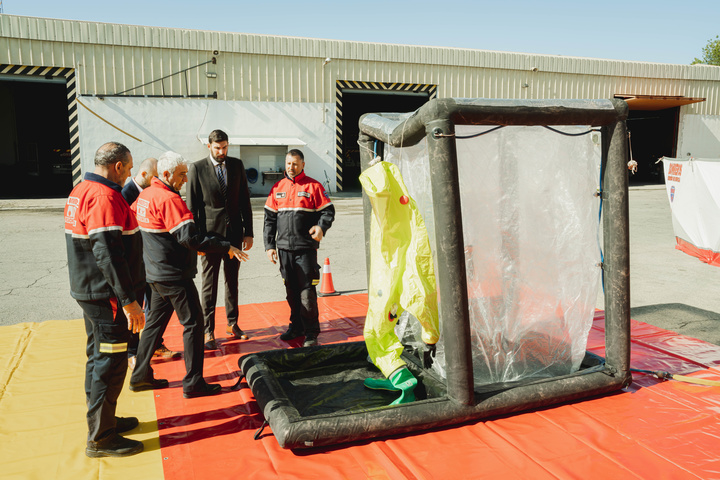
(669, 289)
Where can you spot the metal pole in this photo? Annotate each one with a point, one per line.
(322, 93)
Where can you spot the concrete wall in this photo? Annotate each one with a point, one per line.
(182, 125)
(699, 136)
(273, 85)
(112, 58)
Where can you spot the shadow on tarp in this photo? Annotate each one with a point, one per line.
(335, 330)
(187, 435)
(685, 319)
(655, 348)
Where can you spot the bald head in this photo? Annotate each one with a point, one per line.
(146, 172)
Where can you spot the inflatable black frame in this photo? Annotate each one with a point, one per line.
(314, 396)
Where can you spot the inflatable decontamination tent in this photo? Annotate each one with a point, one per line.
(509, 192)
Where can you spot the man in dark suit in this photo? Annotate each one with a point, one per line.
(130, 192)
(136, 184)
(219, 199)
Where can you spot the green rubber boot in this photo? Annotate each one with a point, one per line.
(402, 379)
(380, 384)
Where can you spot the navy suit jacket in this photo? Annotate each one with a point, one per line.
(212, 212)
(130, 191)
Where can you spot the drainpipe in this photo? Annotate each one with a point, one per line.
(325, 62)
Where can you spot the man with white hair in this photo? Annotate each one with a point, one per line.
(170, 244)
(130, 192)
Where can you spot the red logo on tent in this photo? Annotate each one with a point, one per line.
(672, 193)
(674, 172)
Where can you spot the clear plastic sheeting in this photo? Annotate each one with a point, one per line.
(530, 222)
(414, 165)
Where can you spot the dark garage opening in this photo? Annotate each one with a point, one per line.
(34, 138)
(355, 104)
(653, 135)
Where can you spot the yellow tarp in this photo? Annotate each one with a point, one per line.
(42, 409)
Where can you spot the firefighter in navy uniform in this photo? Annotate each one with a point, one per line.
(171, 241)
(298, 213)
(105, 265)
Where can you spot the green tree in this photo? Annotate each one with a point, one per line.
(710, 53)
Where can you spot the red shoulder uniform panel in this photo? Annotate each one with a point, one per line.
(170, 237)
(292, 208)
(103, 243)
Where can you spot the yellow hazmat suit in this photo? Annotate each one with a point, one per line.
(401, 268)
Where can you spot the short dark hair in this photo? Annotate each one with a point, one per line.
(296, 153)
(111, 153)
(217, 136)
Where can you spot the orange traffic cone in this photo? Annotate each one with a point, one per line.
(326, 287)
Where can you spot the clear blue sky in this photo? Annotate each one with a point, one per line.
(654, 31)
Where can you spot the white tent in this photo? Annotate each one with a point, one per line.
(693, 189)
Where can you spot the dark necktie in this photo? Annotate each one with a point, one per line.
(221, 179)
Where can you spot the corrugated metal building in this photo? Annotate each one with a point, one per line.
(158, 89)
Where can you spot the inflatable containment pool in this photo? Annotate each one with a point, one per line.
(510, 192)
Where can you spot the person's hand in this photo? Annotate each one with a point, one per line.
(247, 243)
(272, 255)
(428, 355)
(235, 252)
(316, 233)
(135, 317)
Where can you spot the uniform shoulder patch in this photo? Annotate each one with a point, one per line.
(303, 194)
(73, 204)
(280, 195)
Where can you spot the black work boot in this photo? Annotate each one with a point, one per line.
(113, 446)
(125, 424)
(291, 334)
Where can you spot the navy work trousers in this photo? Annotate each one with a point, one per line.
(106, 349)
(301, 273)
(181, 297)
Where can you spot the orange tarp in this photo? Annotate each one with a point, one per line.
(652, 429)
